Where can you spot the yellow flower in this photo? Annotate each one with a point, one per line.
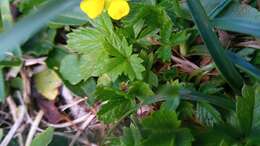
(93, 8)
(118, 9)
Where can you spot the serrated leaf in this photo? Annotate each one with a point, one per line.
(85, 40)
(207, 114)
(164, 53)
(245, 109)
(163, 128)
(115, 104)
(44, 138)
(122, 60)
(140, 89)
(103, 52)
(47, 83)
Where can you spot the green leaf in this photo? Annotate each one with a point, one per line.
(256, 117)
(47, 83)
(245, 109)
(116, 104)
(131, 137)
(122, 60)
(207, 114)
(218, 54)
(70, 70)
(164, 53)
(85, 40)
(103, 52)
(163, 128)
(44, 138)
(222, 102)
(41, 44)
(184, 138)
(140, 89)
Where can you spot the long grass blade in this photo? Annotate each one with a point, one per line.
(224, 65)
(30, 24)
(7, 21)
(244, 65)
(222, 102)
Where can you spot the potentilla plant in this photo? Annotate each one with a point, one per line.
(152, 72)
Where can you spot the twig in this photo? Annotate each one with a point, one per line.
(14, 128)
(12, 107)
(69, 136)
(33, 61)
(76, 110)
(26, 85)
(83, 126)
(13, 110)
(65, 107)
(68, 124)
(34, 128)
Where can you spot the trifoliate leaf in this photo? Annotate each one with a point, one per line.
(47, 83)
(101, 52)
(115, 104)
(44, 138)
(70, 69)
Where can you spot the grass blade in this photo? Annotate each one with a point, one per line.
(240, 18)
(226, 68)
(225, 103)
(244, 65)
(30, 24)
(2, 86)
(219, 8)
(7, 21)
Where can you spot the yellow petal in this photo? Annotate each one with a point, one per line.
(118, 9)
(93, 8)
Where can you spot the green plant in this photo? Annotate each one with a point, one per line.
(170, 73)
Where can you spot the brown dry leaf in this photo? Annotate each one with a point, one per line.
(51, 112)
